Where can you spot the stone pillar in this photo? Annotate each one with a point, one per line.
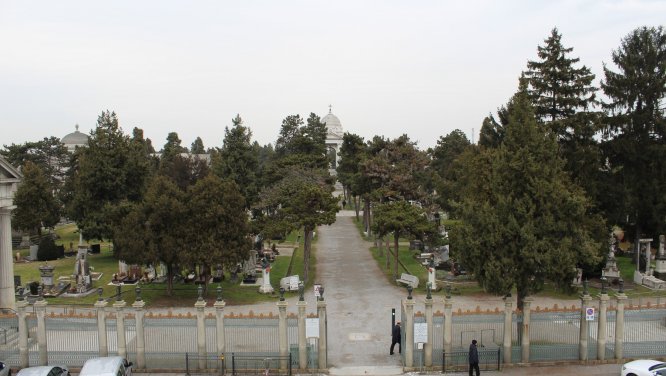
(508, 326)
(431, 277)
(219, 322)
(40, 307)
(138, 306)
(200, 306)
(584, 331)
(601, 329)
(101, 327)
(323, 340)
(619, 325)
(427, 349)
(448, 324)
(525, 340)
(119, 306)
(24, 360)
(282, 332)
(7, 288)
(409, 332)
(302, 340)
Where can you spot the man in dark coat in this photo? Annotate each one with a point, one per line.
(395, 338)
(473, 358)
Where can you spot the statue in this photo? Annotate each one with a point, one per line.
(82, 272)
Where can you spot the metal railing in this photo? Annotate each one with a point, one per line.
(489, 360)
(261, 365)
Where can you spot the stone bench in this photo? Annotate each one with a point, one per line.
(408, 279)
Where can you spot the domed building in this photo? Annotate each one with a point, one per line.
(75, 139)
(334, 135)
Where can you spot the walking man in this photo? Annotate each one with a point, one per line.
(395, 338)
(473, 358)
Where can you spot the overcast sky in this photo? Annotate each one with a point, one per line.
(423, 68)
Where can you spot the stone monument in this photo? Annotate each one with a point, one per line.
(660, 269)
(610, 271)
(266, 287)
(82, 272)
(431, 275)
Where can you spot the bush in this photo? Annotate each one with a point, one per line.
(47, 249)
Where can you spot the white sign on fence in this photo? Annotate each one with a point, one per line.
(312, 327)
(420, 332)
(589, 314)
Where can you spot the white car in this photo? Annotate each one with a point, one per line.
(5, 370)
(44, 371)
(644, 367)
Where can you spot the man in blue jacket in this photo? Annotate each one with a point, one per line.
(473, 358)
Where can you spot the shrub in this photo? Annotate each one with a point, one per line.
(47, 249)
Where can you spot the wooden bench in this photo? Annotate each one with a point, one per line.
(408, 279)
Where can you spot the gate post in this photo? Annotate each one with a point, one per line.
(302, 341)
(323, 340)
(100, 304)
(409, 332)
(200, 306)
(282, 330)
(24, 358)
(525, 340)
(584, 332)
(448, 323)
(219, 323)
(508, 326)
(40, 307)
(619, 322)
(140, 338)
(119, 305)
(427, 347)
(601, 328)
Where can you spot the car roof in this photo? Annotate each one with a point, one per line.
(37, 371)
(101, 366)
(643, 363)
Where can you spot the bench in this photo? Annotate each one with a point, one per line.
(408, 279)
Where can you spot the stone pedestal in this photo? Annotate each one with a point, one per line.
(120, 328)
(140, 337)
(427, 349)
(619, 326)
(583, 352)
(525, 338)
(40, 308)
(323, 340)
(219, 321)
(409, 333)
(508, 326)
(282, 332)
(266, 287)
(200, 306)
(448, 325)
(302, 345)
(100, 305)
(601, 328)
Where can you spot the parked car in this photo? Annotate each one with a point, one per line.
(106, 366)
(644, 367)
(5, 370)
(44, 371)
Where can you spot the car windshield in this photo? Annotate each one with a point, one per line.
(658, 367)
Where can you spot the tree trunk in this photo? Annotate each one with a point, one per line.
(380, 248)
(396, 235)
(307, 242)
(357, 206)
(169, 279)
(388, 253)
(366, 215)
(522, 294)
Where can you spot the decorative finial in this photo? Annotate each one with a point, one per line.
(321, 293)
(330, 108)
(448, 291)
(301, 289)
(100, 291)
(137, 291)
(200, 293)
(621, 283)
(40, 292)
(409, 291)
(118, 292)
(77, 127)
(282, 294)
(428, 290)
(219, 293)
(603, 285)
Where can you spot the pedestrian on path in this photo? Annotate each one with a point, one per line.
(395, 338)
(473, 358)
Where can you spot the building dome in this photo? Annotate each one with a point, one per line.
(333, 125)
(75, 139)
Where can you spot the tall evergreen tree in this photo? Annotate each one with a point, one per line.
(237, 160)
(523, 221)
(197, 146)
(443, 165)
(557, 89)
(635, 130)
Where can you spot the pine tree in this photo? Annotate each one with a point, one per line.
(524, 223)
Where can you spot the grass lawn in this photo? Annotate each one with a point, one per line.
(184, 294)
